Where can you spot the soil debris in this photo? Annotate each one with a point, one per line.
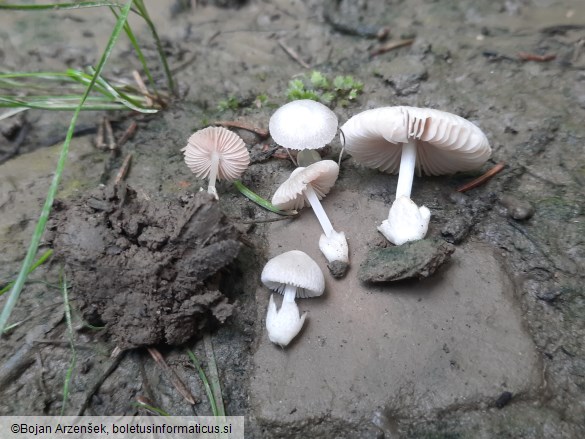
(416, 259)
(141, 267)
(519, 210)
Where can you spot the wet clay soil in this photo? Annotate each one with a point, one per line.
(142, 268)
(158, 263)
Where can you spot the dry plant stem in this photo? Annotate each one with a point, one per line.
(243, 126)
(123, 170)
(112, 367)
(142, 87)
(292, 159)
(294, 55)
(128, 134)
(99, 139)
(525, 56)
(391, 46)
(110, 134)
(482, 179)
(175, 379)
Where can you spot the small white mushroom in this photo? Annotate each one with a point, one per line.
(394, 139)
(306, 186)
(303, 124)
(217, 153)
(292, 274)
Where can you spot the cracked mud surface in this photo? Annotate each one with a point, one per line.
(428, 358)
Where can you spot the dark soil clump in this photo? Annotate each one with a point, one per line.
(144, 268)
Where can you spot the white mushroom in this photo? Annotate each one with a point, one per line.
(303, 124)
(401, 139)
(217, 153)
(307, 186)
(291, 274)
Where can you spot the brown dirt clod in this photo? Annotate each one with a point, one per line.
(142, 267)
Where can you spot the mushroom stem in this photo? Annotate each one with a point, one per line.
(313, 200)
(290, 292)
(406, 173)
(213, 173)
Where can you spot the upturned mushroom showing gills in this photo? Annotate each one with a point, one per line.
(217, 153)
(306, 186)
(400, 139)
(292, 274)
(303, 125)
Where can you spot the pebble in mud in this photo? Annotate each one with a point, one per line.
(519, 210)
(416, 259)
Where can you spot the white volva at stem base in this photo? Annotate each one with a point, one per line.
(406, 173)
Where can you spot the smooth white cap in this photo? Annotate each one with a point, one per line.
(303, 124)
(320, 175)
(294, 268)
(446, 143)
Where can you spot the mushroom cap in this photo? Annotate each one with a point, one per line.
(303, 124)
(320, 175)
(294, 268)
(446, 143)
(234, 157)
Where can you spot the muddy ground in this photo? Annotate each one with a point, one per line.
(491, 345)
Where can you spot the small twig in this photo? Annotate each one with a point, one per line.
(294, 55)
(482, 179)
(142, 87)
(243, 126)
(123, 170)
(99, 138)
(93, 390)
(110, 135)
(175, 379)
(391, 46)
(128, 134)
(525, 56)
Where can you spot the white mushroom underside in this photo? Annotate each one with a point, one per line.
(321, 176)
(294, 268)
(446, 143)
(232, 156)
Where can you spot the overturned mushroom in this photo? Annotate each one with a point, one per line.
(307, 186)
(401, 139)
(292, 274)
(216, 153)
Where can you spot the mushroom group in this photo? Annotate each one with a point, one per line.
(292, 274)
(403, 139)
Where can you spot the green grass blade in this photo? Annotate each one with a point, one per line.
(212, 366)
(138, 50)
(42, 222)
(203, 377)
(36, 265)
(56, 6)
(69, 374)
(144, 13)
(248, 193)
(151, 409)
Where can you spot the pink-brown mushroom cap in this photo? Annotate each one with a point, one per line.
(234, 157)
